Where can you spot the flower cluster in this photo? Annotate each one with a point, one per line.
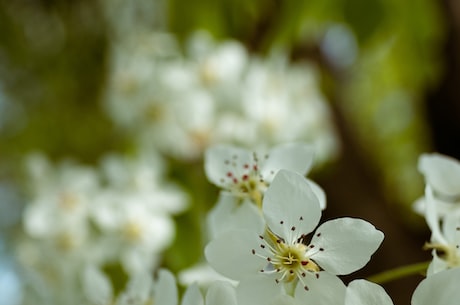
(214, 92)
(118, 214)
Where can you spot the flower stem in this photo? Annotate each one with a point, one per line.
(399, 272)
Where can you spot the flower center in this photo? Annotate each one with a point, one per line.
(246, 181)
(289, 261)
(448, 253)
(132, 231)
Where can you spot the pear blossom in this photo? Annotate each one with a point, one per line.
(180, 103)
(445, 235)
(56, 229)
(142, 176)
(362, 292)
(219, 293)
(134, 211)
(246, 174)
(244, 177)
(201, 274)
(274, 92)
(59, 202)
(141, 288)
(133, 232)
(442, 175)
(440, 289)
(283, 253)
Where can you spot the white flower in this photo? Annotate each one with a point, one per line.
(246, 174)
(60, 198)
(282, 254)
(227, 215)
(219, 293)
(141, 288)
(440, 289)
(244, 177)
(442, 175)
(133, 231)
(362, 292)
(219, 65)
(142, 177)
(201, 274)
(445, 235)
(327, 289)
(96, 286)
(284, 103)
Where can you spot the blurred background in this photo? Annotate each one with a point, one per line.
(374, 85)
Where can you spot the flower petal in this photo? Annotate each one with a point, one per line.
(202, 274)
(96, 286)
(192, 296)
(437, 264)
(432, 217)
(296, 157)
(441, 172)
(231, 254)
(362, 292)
(290, 207)
(326, 289)
(284, 299)
(260, 290)
(227, 215)
(344, 245)
(319, 192)
(440, 289)
(223, 159)
(221, 293)
(165, 289)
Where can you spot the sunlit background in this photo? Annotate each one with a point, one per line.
(102, 97)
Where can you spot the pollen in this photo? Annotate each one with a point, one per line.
(289, 260)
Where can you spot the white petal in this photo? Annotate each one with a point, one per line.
(39, 220)
(290, 206)
(139, 287)
(327, 289)
(284, 299)
(347, 244)
(362, 292)
(441, 172)
(258, 290)
(221, 293)
(231, 254)
(228, 215)
(450, 225)
(96, 286)
(296, 157)
(419, 206)
(440, 289)
(437, 264)
(165, 289)
(202, 274)
(443, 207)
(192, 296)
(319, 192)
(432, 217)
(222, 159)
